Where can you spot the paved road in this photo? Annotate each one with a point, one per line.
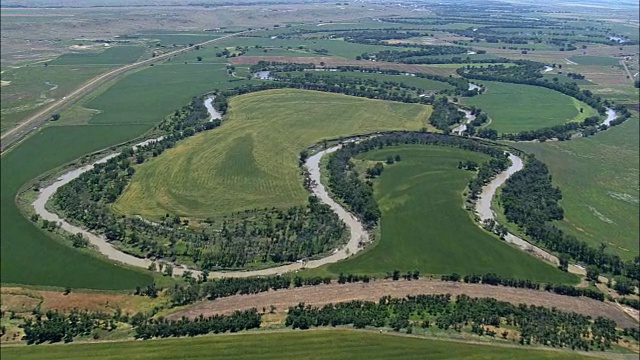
(14, 135)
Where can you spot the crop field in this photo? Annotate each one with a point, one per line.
(251, 161)
(598, 177)
(29, 88)
(595, 60)
(310, 344)
(514, 107)
(111, 56)
(30, 256)
(180, 38)
(426, 84)
(424, 226)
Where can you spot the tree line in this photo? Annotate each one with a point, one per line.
(531, 201)
(445, 114)
(535, 324)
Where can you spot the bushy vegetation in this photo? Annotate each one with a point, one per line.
(445, 114)
(535, 325)
(530, 200)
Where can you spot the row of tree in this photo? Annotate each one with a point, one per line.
(535, 325)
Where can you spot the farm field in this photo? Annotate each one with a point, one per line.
(598, 177)
(29, 255)
(117, 55)
(529, 107)
(424, 226)
(310, 344)
(425, 84)
(251, 161)
(31, 87)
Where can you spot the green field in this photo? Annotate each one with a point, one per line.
(421, 83)
(32, 87)
(515, 107)
(598, 177)
(129, 108)
(251, 161)
(113, 55)
(29, 256)
(310, 344)
(595, 60)
(425, 227)
(181, 39)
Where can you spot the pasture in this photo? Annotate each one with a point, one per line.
(514, 107)
(309, 344)
(595, 60)
(598, 177)
(251, 161)
(425, 227)
(116, 55)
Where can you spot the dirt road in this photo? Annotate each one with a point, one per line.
(12, 136)
(373, 291)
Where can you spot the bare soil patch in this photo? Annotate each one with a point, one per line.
(373, 291)
(333, 62)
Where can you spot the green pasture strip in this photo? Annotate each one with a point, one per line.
(424, 226)
(598, 177)
(251, 161)
(310, 344)
(408, 80)
(30, 256)
(112, 55)
(595, 60)
(515, 107)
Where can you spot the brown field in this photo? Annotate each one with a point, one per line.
(333, 293)
(332, 62)
(24, 300)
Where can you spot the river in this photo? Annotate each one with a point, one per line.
(458, 130)
(213, 113)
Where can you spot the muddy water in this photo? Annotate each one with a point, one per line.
(213, 113)
(458, 130)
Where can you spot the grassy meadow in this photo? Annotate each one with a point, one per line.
(251, 161)
(595, 60)
(515, 107)
(598, 177)
(424, 226)
(310, 344)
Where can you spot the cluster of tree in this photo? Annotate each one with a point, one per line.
(528, 73)
(54, 326)
(576, 76)
(407, 56)
(376, 37)
(254, 236)
(445, 114)
(492, 279)
(346, 183)
(163, 328)
(351, 278)
(279, 66)
(396, 275)
(530, 200)
(632, 332)
(569, 290)
(536, 325)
